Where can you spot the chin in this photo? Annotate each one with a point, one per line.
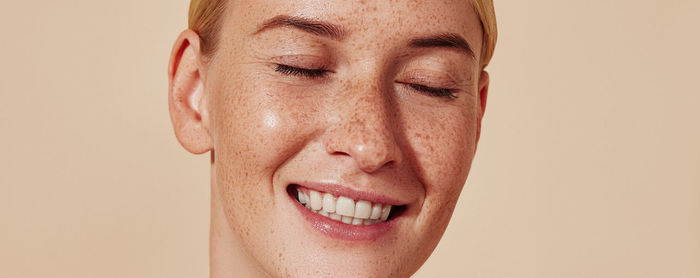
(322, 229)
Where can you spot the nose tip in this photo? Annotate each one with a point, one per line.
(371, 147)
(362, 125)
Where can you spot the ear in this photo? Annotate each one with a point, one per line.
(186, 94)
(483, 94)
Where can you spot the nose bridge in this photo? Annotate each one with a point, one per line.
(365, 125)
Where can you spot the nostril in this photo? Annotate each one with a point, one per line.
(341, 153)
(370, 148)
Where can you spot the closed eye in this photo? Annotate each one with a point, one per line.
(438, 92)
(309, 73)
(318, 73)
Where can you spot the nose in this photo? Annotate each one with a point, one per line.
(364, 129)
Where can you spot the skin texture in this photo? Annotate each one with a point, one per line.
(361, 125)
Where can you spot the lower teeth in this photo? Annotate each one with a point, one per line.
(345, 219)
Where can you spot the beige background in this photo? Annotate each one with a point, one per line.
(589, 165)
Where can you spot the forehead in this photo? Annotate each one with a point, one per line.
(371, 20)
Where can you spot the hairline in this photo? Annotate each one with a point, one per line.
(205, 18)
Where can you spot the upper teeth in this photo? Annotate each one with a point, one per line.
(343, 208)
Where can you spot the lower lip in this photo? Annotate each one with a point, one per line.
(340, 230)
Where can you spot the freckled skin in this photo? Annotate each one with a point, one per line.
(359, 125)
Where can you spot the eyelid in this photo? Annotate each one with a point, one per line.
(302, 61)
(429, 78)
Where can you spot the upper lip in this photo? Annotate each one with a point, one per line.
(339, 190)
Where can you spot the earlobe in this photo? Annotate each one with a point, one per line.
(484, 80)
(187, 95)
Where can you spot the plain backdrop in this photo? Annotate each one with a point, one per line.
(589, 164)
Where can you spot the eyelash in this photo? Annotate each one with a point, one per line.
(318, 73)
(310, 73)
(438, 92)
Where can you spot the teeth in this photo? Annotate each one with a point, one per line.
(316, 203)
(345, 206)
(328, 203)
(363, 209)
(302, 198)
(376, 211)
(385, 212)
(370, 221)
(344, 209)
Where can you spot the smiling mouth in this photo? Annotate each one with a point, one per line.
(342, 208)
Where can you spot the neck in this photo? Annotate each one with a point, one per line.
(227, 257)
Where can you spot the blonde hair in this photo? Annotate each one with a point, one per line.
(204, 18)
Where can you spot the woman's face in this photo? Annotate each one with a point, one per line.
(366, 111)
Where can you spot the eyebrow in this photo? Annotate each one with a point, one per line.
(316, 27)
(336, 32)
(449, 40)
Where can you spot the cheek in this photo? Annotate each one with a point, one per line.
(443, 144)
(257, 127)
